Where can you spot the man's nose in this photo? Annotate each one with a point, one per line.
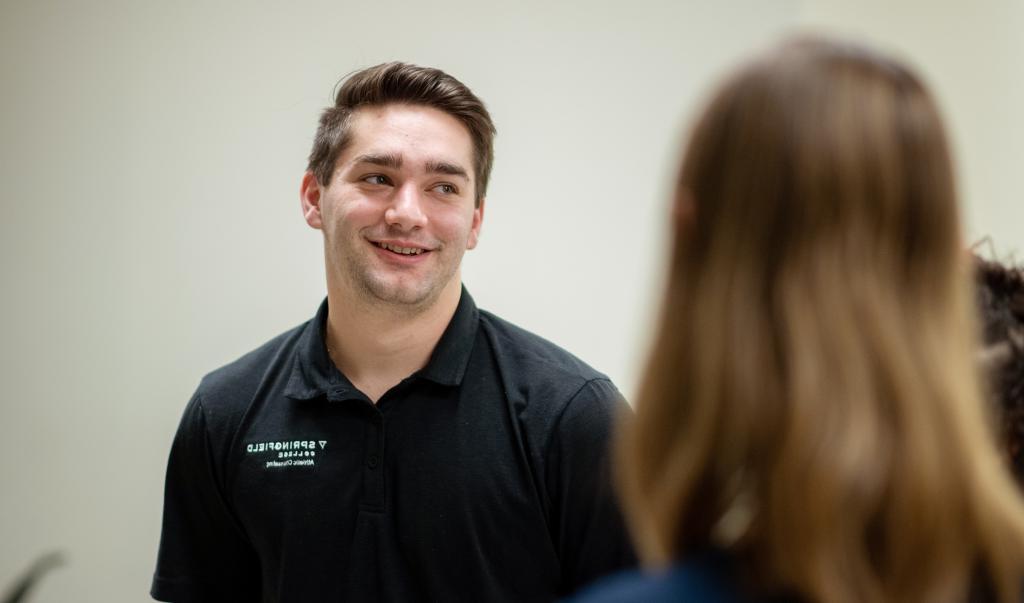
(406, 209)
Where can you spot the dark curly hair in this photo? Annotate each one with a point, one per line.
(1001, 297)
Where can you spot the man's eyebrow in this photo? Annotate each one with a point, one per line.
(387, 160)
(443, 167)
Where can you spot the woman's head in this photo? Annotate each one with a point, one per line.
(1001, 299)
(820, 157)
(811, 392)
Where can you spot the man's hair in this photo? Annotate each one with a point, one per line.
(402, 83)
(812, 402)
(1001, 298)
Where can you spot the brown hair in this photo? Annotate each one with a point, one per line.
(1001, 299)
(811, 402)
(403, 83)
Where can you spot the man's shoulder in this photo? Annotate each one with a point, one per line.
(542, 376)
(515, 344)
(235, 383)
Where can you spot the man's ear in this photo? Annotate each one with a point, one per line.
(310, 194)
(478, 221)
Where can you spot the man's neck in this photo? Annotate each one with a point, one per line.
(376, 345)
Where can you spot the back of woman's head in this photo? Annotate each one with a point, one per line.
(811, 402)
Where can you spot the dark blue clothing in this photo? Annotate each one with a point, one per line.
(704, 579)
(707, 578)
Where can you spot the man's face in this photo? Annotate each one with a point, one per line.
(399, 211)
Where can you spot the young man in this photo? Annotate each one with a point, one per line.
(402, 445)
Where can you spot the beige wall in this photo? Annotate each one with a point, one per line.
(151, 155)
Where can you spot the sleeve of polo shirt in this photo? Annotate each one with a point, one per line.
(203, 556)
(589, 529)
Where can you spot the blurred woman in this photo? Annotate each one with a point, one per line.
(810, 425)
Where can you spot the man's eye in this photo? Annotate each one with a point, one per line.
(446, 189)
(376, 179)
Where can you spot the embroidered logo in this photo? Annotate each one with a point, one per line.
(287, 453)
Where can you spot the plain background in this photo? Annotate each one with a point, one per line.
(151, 157)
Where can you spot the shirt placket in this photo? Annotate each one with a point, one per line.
(373, 464)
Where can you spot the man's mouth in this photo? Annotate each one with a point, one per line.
(400, 250)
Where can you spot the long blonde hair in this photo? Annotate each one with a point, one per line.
(811, 402)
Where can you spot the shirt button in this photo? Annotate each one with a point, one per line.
(372, 461)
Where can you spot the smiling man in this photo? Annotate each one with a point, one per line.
(402, 445)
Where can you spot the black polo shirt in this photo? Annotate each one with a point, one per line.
(482, 477)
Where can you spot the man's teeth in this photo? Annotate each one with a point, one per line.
(402, 250)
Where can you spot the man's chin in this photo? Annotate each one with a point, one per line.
(402, 295)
